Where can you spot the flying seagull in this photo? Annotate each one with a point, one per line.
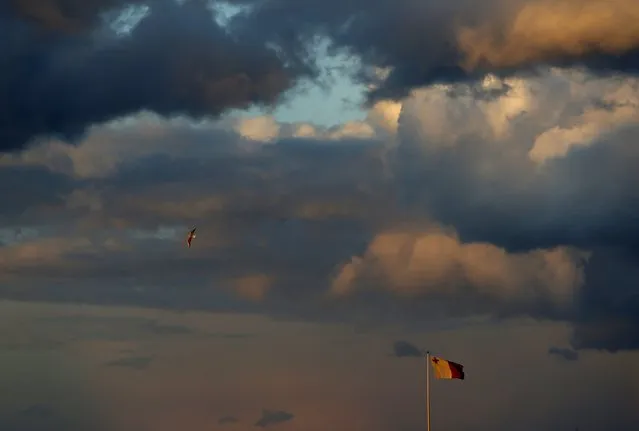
(191, 237)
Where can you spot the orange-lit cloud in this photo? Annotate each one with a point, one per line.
(252, 287)
(546, 30)
(435, 262)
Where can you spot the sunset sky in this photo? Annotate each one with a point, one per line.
(456, 176)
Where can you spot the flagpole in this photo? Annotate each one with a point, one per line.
(427, 390)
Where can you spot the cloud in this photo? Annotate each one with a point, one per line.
(404, 349)
(564, 353)
(608, 313)
(420, 43)
(487, 179)
(273, 417)
(68, 16)
(227, 420)
(511, 197)
(201, 69)
(490, 181)
(434, 264)
(526, 36)
(39, 189)
(176, 60)
(254, 287)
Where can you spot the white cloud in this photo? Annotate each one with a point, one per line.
(618, 105)
(545, 115)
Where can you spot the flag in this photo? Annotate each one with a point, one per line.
(446, 369)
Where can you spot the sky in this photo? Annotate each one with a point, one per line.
(368, 178)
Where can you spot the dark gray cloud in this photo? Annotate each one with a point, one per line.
(460, 40)
(227, 420)
(38, 188)
(608, 306)
(273, 417)
(67, 15)
(592, 204)
(495, 193)
(403, 349)
(291, 213)
(177, 60)
(564, 352)
(279, 222)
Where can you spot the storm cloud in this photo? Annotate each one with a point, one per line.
(67, 69)
(452, 207)
(416, 43)
(498, 195)
(403, 349)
